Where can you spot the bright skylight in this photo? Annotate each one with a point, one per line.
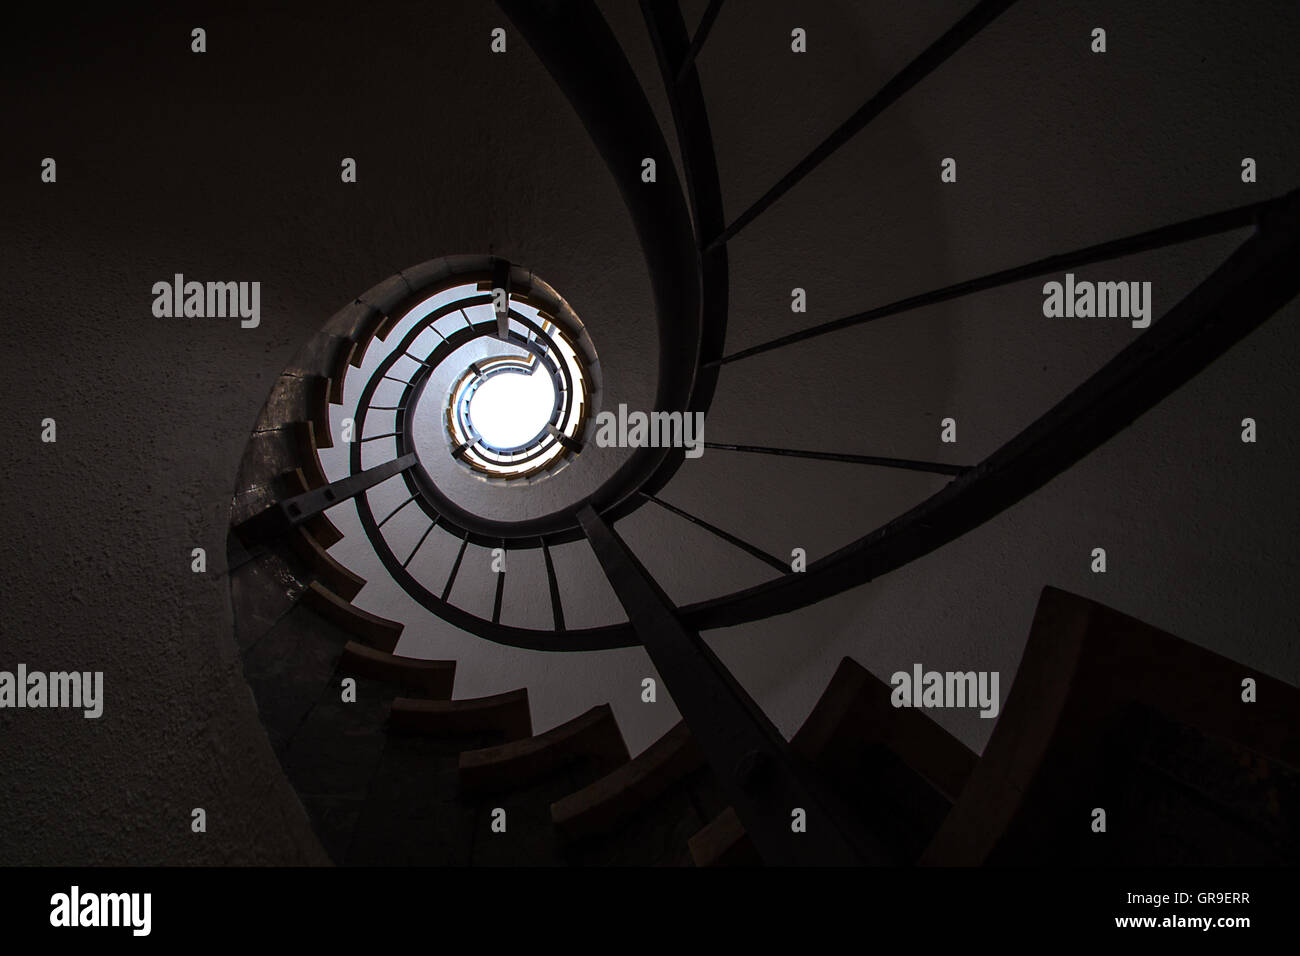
(511, 408)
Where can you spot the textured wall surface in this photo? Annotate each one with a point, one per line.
(225, 166)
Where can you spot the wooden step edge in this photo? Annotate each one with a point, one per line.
(380, 633)
(319, 526)
(339, 373)
(350, 321)
(317, 355)
(507, 713)
(434, 678)
(833, 708)
(593, 735)
(304, 434)
(366, 335)
(345, 583)
(610, 801)
(855, 711)
(723, 842)
(386, 327)
(320, 424)
(304, 391)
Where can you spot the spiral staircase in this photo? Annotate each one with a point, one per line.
(393, 767)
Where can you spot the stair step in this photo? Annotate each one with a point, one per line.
(529, 840)
(339, 373)
(293, 398)
(606, 804)
(893, 766)
(263, 589)
(1113, 711)
(723, 842)
(340, 580)
(318, 356)
(593, 736)
(366, 335)
(333, 755)
(380, 633)
(506, 713)
(352, 321)
(319, 525)
(434, 678)
(269, 455)
(306, 454)
(288, 666)
(413, 815)
(854, 714)
(387, 326)
(657, 835)
(300, 397)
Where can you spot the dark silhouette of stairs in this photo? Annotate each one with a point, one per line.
(1105, 710)
(407, 774)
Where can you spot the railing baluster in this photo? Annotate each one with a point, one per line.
(724, 535)
(754, 765)
(432, 524)
(701, 34)
(395, 510)
(909, 464)
(451, 578)
(557, 609)
(1256, 280)
(967, 27)
(1184, 231)
(501, 587)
